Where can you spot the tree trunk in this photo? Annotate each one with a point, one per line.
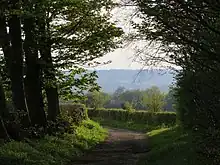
(3, 131)
(14, 58)
(3, 110)
(4, 39)
(32, 81)
(53, 103)
(49, 71)
(3, 113)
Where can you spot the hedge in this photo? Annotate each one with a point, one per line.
(143, 117)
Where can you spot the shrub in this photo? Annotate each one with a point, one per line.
(59, 127)
(74, 113)
(127, 106)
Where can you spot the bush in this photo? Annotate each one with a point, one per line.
(143, 117)
(127, 106)
(74, 113)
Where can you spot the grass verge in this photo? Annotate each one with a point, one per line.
(170, 146)
(53, 150)
(130, 125)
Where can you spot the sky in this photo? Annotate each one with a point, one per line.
(124, 58)
(121, 58)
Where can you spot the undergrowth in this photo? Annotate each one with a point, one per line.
(52, 150)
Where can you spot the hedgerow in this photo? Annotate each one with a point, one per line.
(143, 117)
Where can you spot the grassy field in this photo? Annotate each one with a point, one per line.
(170, 146)
(53, 150)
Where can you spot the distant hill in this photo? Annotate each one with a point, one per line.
(110, 80)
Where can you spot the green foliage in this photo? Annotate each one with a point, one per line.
(74, 113)
(153, 99)
(197, 109)
(142, 117)
(60, 126)
(170, 146)
(66, 34)
(170, 100)
(97, 99)
(186, 108)
(91, 132)
(188, 37)
(134, 97)
(74, 83)
(52, 150)
(92, 33)
(127, 106)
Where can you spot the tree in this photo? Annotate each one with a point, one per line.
(3, 114)
(72, 40)
(187, 33)
(180, 31)
(127, 106)
(33, 86)
(170, 100)
(118, 92)
(13, 53)
(154, 99)
(48, 69)
(135, 97)
(97, 99)
(3, 131)
(85, 33)
(74, 84)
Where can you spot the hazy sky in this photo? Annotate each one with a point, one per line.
(124, 58)
(121, 58)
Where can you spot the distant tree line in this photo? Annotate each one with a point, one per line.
(151, 99)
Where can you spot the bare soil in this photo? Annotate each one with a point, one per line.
(122, 147)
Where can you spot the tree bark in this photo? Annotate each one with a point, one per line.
(48, 70)
(3, 113)
(3, 131)
(4, 37)
(32, 81)
(16, 59)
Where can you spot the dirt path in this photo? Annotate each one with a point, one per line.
(122, 147)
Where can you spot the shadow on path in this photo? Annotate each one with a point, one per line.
(122, 147)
